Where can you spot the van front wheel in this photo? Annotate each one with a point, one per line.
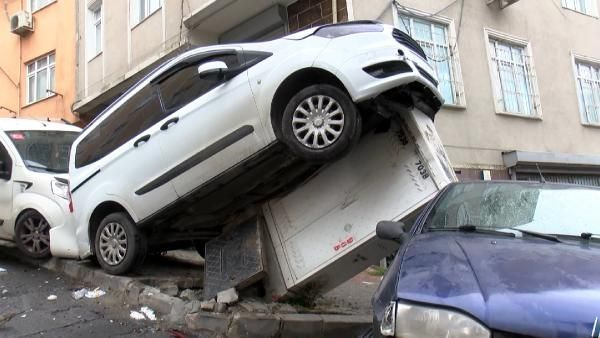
(119, 246)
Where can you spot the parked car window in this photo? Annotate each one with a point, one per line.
(5, 162)
(43, 150)
(185, 85)
(139, 113)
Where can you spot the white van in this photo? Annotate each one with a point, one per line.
(34, 161)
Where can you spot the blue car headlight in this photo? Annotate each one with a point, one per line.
(412, 321)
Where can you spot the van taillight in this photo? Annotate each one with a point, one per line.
(70, 200)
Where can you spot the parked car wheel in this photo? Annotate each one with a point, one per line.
(119, 246)
(321, 123)
(32, 234)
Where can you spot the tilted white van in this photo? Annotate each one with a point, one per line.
(34, 158)
(212, 130)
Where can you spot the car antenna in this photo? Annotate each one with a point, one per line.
(542, 179)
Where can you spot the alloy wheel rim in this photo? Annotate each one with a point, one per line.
(113, 243)
(35, 235)
(318, 121)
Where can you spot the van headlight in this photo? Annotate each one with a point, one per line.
(412, 321)
(60, 189)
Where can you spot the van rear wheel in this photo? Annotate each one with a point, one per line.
(119, 246)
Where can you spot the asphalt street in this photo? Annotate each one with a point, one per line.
(24, 293)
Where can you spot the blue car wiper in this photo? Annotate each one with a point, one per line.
(538, 235)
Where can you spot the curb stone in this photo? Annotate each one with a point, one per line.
(180, 313)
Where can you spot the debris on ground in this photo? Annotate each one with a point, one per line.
(97, 292)
(4, 291)
(7, 316)
(2, 269)
(169, 289)
(148, 312)
(229, 296)
(144, 313)
(189, 294)
(78, 294)
(208, 305)
(52, 297)
(137, 316)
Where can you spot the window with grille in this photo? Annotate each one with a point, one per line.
(588, 90)
(141, 9)
(588, 7)
(513, 76)
(442, 54)
(40, 78)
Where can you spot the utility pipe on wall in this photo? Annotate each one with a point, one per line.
(334, 10)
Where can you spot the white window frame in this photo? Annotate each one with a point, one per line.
(586, 60)
(135, 15)
(574, 5)
(458, 87)
(32, 76)
(91, 32)
(498, 96)
(33, 8)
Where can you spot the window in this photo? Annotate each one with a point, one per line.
(588, 90)
(40, 78)
(185, 85)
(137, 114)
(513, 77)
(141, 9)
(34, 5)
(588, 7)
(5, 163)
(442, 55)
(94, 35)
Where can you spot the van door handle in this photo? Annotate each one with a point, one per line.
(169, 123)
(141, 140)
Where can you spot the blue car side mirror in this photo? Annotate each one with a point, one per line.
(393, 231)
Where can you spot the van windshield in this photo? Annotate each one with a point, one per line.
(44, 150)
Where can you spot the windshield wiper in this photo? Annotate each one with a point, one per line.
(538, 235)
(52, 170)
(474, 228)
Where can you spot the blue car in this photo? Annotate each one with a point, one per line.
(495, 259)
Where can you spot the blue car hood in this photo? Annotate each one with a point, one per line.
(525, 286)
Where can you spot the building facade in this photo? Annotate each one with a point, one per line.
(521, 79)
(38, 59)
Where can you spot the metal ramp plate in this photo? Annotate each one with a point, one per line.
(234, 259)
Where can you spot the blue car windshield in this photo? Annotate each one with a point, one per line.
(543, 208)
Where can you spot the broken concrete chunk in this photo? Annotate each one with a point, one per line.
(169, 289)
(220, 308)
(283, 308)
(254, 306)
(189, 294)
(208, 305)
(229, 296)
(193, 306)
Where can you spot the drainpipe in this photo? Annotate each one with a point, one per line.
(334, 10)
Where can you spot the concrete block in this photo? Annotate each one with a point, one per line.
(208, 305)
(208, 323)
(220, 307)
(254, 325)
(254, 306)
(301, 325)
(345, 326)
(193, 306)
(189, 294)
(159, 302)
(169, 288)
(229, 296)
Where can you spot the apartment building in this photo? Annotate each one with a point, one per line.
(37, 62)
(521, 79)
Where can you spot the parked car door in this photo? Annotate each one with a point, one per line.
(213, 122)
(122, 154)
(6, 191)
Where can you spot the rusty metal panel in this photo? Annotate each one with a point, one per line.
(234, 259)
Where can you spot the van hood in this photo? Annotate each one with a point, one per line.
(524, 286)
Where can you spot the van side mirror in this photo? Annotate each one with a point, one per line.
(4, 171)
(393, 231)
(212, 69)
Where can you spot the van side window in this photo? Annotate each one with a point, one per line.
(186, 85)
(139, 113)
(5, 163)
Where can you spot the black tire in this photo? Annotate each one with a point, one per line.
(312, 149)
(200, 246)
(32, 235)
(134, 244)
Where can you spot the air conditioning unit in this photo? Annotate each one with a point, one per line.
(502, 3)
(21, 23)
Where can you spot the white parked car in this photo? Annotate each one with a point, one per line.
(208, 132)
(34, 158)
